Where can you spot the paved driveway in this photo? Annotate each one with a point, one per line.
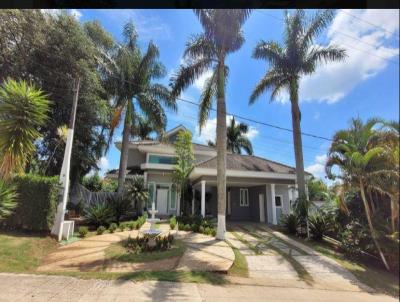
(274, 258)
(30, 288)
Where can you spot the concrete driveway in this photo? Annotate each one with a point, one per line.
(30, 288)
(273, 259)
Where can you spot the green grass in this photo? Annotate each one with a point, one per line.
(378, 279)
(172, 276)
(22, 253)
(239, 267)
(252, 247)
(117, 251)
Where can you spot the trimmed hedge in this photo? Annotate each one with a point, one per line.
(37, 203)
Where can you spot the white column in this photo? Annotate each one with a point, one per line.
(193, 191)
(290, 196)
(203, 198)
(273, 204)
(296, 192)
(178, 205)
(145, 178)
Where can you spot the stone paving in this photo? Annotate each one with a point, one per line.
(32, 288)
(280, 253)
(203, 253)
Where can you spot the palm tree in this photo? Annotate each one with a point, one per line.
(358, 160)
(143, 128)
(23, 109)
(131, 84)
(297, 57)
(236, 138)
(222, 35)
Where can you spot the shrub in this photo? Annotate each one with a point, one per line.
(100, 230)
(201, 229)
(92, 183)
(83, 231)
(290, 223)
(187, 227)
(99, 214)
(132, 225)
(120, 205)
(137, 192)
(213, 232)
(122, 227)
(7, 199)
(172, 222)
(113, 227)
(37, 203)
(355, 238)
(141, 221)
(194, 227)
(319, 224)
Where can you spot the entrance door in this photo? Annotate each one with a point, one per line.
(261, 207)
(162, 200)
(278, 207)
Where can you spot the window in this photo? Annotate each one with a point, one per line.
(278, 201)
(159, 159)
(244, 197)
(151, 194)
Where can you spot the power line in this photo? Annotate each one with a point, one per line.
(368, 22)
(345, 34)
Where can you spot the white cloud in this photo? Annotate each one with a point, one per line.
(368, 52)
(318, 167)
(148, 26)
(75, 13)
(208, 132)
(103, 163)
(201, 81)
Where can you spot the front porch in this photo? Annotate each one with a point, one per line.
(261, 200)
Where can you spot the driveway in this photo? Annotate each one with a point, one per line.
(275, 259)
(30, 288)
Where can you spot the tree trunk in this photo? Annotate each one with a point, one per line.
(298, 146)
(371, 227)
(221, 150)
(124, 156)
(394, 209)
(371, 201)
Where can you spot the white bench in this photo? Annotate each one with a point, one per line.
(68, 229)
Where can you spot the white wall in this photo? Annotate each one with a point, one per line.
(135, 158)
(283, 190)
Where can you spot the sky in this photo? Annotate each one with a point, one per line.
(365, 85)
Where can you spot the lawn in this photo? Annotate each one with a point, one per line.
(22, 253)
(117, 251)
(375, 277)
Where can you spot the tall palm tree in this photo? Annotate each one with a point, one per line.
(236, 138)
(23, 109)
(131, 81)
(143, 128)
(222, 35)
(357, 160)
(297, 57)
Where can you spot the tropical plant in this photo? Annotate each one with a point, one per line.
(143, 128)
(131, 74)
(184, 164)
(357, 160)
(237, 139)
(8, 198)
(290, 222)
(120, 205)
(316, 189)
(23, 109)
(83, 231)
(301, 208)
(113, 227)
(99, 214)
(100, 230)
(222, 35)
(319, 224)
(137, 192)
(297, 57)
(93, 182)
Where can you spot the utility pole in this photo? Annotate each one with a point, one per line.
(64, 176)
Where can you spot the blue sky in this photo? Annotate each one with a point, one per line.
(365, 85)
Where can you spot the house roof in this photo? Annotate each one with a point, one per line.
(248, 163)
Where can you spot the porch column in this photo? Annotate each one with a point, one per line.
(145, 178)
(193, 191)
(290, 195)
(273, 204)
(178, 205)
(203, 198)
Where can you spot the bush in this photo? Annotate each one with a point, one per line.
(113, 227)
(37, 203)
(290, 223)
(99, 214)
(132, 225)
(7, 199)
(187, 227)
(141, 221)
(319, 224)
(172, 222)
(355, 237)
(201, 229)
(83, 231)
(92, 183)
(194, 227)
(120, 205)
(122, 227)
(136, 191)
(213, 232)
(101, 230)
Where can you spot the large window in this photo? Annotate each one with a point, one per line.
(160, 159)
(244, 197)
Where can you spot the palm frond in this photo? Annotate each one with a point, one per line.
(199, 47)
(206, 99)
(317, 24)
(272, 79)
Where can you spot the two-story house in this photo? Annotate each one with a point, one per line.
(258, 189)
